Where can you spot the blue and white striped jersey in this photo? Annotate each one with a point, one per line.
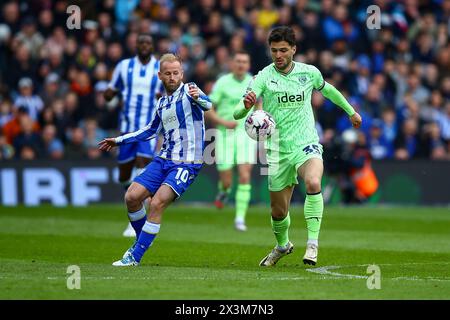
(179, 118)
(33, 104)
(140, 88)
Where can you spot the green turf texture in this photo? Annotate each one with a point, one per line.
(199, 255)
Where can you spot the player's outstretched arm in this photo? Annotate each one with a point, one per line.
(148, 132)
(333, 94)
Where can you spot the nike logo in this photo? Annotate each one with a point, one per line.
(276, 82)
(178, 182)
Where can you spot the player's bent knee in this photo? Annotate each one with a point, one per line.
(278, 212)
(244, 179)
(157, 205)
(313, 185)
(132, 198)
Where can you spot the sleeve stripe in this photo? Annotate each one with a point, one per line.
(321, 87)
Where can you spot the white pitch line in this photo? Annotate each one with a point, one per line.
(326, 271)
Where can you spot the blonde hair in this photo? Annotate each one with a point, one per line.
(168, 57)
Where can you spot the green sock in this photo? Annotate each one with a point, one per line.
(243, 195)
(313, 211)
(281, 230)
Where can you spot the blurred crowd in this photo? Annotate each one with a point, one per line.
(52, 77)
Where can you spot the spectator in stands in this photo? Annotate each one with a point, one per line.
(407, 144)
(379, 146)
(54, 88)
(268, 15)
(436, 145)
(418, 92)
(432, 111)
(338, 25)
(60, 118)
(20, 66)
(29, 37)
(11, 16)
(28, 138)
(93, 134)
(359, 82)
(13, 128)
(372, 104)
(75, 149)
(53, 147)
(26, 99)
(107, 114)
(389, 119)
(84, 90)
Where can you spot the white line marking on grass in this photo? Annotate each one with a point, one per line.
(326, 271)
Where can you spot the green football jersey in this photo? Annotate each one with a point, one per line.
(226, 93)
(287, 97)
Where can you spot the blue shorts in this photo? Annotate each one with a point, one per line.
(130, 151)
(178, 176)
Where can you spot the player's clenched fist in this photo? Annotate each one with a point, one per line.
(193, 91)
(107, 144)
(356, 120)
(249, 100)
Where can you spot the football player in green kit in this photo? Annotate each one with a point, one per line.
(233, 146)
(286, 87)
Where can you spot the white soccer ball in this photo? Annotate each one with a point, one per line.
(260, 125)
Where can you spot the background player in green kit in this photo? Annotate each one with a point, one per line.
(286, 87)
(233, 145)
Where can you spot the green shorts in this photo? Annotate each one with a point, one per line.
(283, 166)
(234, 147)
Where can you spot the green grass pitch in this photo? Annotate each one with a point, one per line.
(199, 255)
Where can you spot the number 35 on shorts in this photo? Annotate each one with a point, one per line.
(312, 149)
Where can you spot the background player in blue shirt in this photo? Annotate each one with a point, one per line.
(136, 79)
(179, 117)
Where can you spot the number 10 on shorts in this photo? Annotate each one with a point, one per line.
(182, 174)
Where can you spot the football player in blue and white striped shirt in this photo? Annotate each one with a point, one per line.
(136, 79)
(179, 118)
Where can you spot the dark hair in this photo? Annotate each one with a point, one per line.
(283, 33)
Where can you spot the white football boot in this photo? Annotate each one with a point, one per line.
(310, 256)
(129, 231)
(128, 261)
(239, 225)
(129, 250)
(276, 254)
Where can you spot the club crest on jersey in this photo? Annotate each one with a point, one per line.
(303, 79)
